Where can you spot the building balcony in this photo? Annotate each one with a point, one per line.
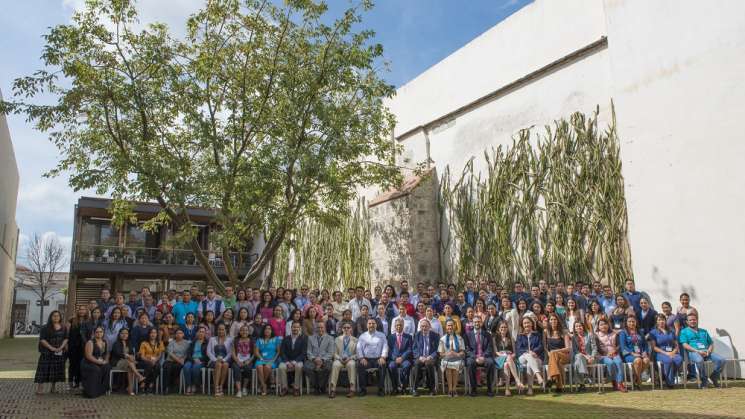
(102, 259)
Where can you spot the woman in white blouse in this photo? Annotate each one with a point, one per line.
(452, 351)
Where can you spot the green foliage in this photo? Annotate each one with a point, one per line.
(548, 207)
(263, 112)
(331, 255)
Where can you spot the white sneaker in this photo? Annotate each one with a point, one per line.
(245, 391)
(238, 394)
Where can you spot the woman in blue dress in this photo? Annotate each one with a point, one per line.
(266, 351)
(634, 349)
(665, 348)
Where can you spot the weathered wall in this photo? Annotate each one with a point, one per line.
(8, 227)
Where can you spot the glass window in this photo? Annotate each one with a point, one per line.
(89, 233)
(135, 236)
(109, 235)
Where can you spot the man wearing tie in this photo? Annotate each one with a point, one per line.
(425, 356)
(399, 362)
(479, 353)
(293, 352)
(345, 357)
(320, 354)
(372, 351)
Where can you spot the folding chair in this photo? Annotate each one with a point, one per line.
(118, 371)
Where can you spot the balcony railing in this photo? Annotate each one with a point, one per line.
(157, 256)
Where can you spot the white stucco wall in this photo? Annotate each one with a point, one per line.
(677, 70)
(8, 227)
(674, 71)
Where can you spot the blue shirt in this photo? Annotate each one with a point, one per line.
(631, 344)
(634, 298)
(181, 309)
(663, 340)
(698, 339)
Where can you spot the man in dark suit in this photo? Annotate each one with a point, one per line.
(479, 353)
(425, 356)
(399, 356)
(293, 353)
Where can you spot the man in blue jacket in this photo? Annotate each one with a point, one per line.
(479, 353)
(425, 356)
(399, 356)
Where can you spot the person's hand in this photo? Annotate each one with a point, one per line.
(480, 360)
(399, 360)
(381, 361)
(363, 362)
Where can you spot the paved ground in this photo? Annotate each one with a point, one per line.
(17, 400)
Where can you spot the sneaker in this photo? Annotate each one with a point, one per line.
(239, 394)
(245, 392)
(714, 380)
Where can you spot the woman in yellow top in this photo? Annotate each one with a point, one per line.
(447, 314)
(151, 350)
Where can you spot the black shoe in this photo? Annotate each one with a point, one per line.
(472, 394)
(581, 388)
(432, 393)
(362, 393)
(490, 393)
(714, 380)
(414, 393)
(381, 393)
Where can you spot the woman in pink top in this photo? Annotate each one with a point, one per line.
(609, 355)
(278, 322)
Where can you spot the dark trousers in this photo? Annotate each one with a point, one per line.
(362, 374)
(318, 377)
(150, 371)
(399, 373)
(171, 372)
(429, 371)
(488, 365)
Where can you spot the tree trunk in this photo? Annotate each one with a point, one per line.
(266, 256)
(232, 275)
(212, 277)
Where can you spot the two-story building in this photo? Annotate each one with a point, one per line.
(129, 258)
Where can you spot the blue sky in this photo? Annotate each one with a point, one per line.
(416, 34)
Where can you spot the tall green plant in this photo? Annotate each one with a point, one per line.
(551, 207)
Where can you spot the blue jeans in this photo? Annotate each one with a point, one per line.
(611, 364)
(697, 359)
(192, 372)
(670, 366)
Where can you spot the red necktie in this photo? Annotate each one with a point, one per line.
(478, 344)
(398, 341)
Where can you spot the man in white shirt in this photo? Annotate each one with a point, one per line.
(358, 302)
(372, 351)
(409, 324)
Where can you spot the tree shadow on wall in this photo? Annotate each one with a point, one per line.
(391, 225)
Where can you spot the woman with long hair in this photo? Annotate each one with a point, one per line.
(113, 325)
(220, 356)
(76, 345)
(208, 322)
(242, 319)
(452, 350)
(558, 344)
(242, 360)
(504, 350)
(123, 358)
(95, 368)
(150, 353)
(52, 347)
(594, 314)
(609, 354)
(310, 322)
(620, 313)
(584, 352)
(266, 352)
(266, 306)
(530, 351)
(634, 349)
(196, 359)
(190, 326)
(277, 321)
(665, 348)
(574, 314)
(95, 320)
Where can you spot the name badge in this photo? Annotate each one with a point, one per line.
(700, 345)
(616, 325)
(636, 349)
(668, 348)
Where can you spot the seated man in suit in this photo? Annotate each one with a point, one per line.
(345, 357)
(292, 352)
(399, 356)
(372, 351)
(479, 353)
(425, 356)
(319, 356)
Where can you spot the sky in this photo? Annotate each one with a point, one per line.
(415, 34)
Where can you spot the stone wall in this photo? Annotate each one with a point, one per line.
(404, 236)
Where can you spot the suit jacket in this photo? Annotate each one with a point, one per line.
(433, 340)
(351, 349)
(487, 351)
(294, 353)
(406, 351)
(325, 350)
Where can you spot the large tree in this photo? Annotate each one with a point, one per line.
(262, 111)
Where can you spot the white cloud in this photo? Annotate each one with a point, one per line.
(50, 199)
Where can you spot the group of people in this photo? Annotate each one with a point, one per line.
(408, 338)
